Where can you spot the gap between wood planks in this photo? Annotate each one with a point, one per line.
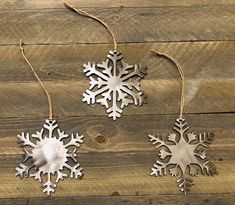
(135, 196)
(119, 43)
(115, 5)
(210, 23)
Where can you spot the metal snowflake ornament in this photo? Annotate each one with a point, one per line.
(183, 155)
(114, 84)
(49, 152)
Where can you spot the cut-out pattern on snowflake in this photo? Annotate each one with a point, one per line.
(183, 154)
(114, 84)
(48, 152)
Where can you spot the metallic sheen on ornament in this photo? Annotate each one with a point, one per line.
(183, 155)
(114, 84)
(47, 153)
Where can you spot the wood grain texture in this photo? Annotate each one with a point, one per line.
(117, 156)
(200, 60)
(121, 164)
(27, 99)
(208, 199)
(42, 4)
(210, 87)
(53, 26)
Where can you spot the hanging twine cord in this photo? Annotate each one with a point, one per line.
(50, 115)
(84, 13)
(181, 73)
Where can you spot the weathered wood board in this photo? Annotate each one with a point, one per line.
(117, 156)
(162, 24)
(30, 4)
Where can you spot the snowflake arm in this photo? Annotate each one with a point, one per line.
(206, 139)
(23, 170)
(90, 96)
(125, 69)
(49, 187)
(141, 72)
(38, 135)
(62, 135)
(76, 140)
(159, 169)
(37, 176)
(156, 141)
(106, 96)
(90, 69)
(75, 171)
(27, 155)
(72, 155)
(172, 137)
(184, 184)
(50, 125)
(174, 171)
(114, 111)
(191, 137)
(106, 68)
(132, 83)
(99, 83)
(193, 171)
(208, 168)
(60, 176)
(25, 140)
(201, 153)
(181, 126)
(163, 154)
(123, 98)
(115, 56)
(137, 97)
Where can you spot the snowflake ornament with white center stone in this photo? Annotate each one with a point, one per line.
(47, 153)
(183, 155)
(114, 84)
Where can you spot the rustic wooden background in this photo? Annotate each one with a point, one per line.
(117, 156)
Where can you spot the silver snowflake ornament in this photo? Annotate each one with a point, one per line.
(183, 155)
(47, 153)
(114, 84)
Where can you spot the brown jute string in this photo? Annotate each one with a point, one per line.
(181, 73)
(50, 115)
(84, 13)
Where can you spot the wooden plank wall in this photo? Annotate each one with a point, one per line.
(117, 156)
